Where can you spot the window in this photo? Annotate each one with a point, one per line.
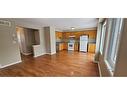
(102, 37)
(113, 42)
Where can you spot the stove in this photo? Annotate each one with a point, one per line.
(71, 46)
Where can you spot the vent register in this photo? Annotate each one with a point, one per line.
(5, 23)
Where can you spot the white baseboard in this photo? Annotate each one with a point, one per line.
(10, 64)
(48, 53)
(0, 65)
(51, 53)
(99, 70)
(26, 53)
(39, 55)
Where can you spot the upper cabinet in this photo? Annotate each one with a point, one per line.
(59, 35)
(64, 36)
(90, 33)
(91, 48)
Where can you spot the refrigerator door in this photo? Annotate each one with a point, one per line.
(83, 46)
(83, 43)
(83, 38)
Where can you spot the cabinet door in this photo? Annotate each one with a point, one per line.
(76, 47)
(67, 35)
(57, 35)
(91, 48)
(60, 35)
(64, 35)
(65, 46)
(61, 46)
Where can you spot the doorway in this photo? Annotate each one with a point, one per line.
(27, 38)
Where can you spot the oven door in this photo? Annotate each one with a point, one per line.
(70, 46)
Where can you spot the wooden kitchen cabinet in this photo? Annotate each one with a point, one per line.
(64, 37)
(91, 48)
(67, 35)
(76, 47)
(59, 35)
(65, 46)
(61, 46)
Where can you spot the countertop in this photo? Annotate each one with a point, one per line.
(75, 42)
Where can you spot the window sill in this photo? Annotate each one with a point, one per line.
(111, 71)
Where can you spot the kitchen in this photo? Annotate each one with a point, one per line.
(71, 40)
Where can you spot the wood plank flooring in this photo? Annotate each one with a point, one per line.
(62, 64)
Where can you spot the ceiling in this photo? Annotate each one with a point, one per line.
(61, 24)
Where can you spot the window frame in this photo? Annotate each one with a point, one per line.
(110, 45)
(102, 39)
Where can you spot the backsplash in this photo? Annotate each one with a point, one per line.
(76, 40)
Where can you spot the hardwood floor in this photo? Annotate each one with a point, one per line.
(61, 64)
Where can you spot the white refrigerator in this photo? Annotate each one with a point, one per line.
(83, 43)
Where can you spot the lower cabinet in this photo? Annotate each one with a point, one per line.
(91, 48)
(61, 46)
(76, 47)
(64, 46)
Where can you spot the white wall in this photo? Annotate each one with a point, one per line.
(37, 37)
(50, 40)
(41, 48)
(96, 59)
(21, 39)
(104, 70)
(121, 65)
(53, 40)
(10, 53)
(47, 39)
(9, 50)
(121, 61)
(26, 39)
